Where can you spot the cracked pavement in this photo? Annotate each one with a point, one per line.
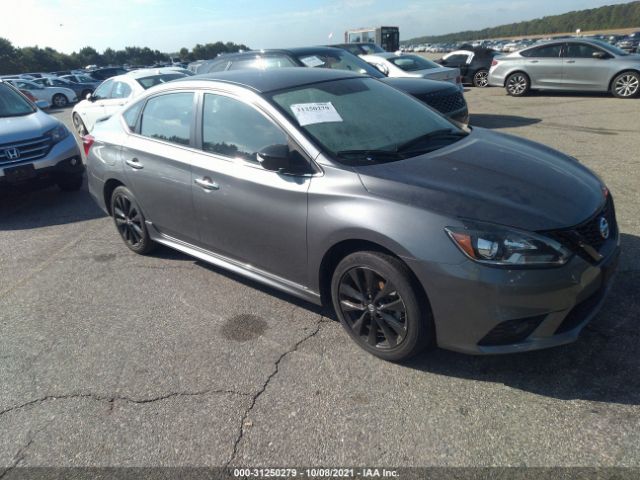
(112, 359)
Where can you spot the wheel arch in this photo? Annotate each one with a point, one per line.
(109, 186)
(624, 70)
(343, 248)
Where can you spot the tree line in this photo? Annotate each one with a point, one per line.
(626, 15)
(36, 59)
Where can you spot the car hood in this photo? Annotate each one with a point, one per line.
(493, 178)
(15, 129)
(419, 86)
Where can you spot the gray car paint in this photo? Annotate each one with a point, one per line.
(268, 229)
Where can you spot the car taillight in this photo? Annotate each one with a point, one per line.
(87, 143)
(494, 62)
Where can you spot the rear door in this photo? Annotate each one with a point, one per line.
(246, 213)
(157, 159)
(582, 71)
(543, 65)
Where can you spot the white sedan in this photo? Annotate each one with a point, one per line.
(115, 92)
(56, 96)
(407, 65)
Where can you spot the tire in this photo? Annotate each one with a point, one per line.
(78, 125)
(626, 85)
(129, 221)
(481, 78)
(373, 289)
(60, 100)
(517, 84)
(70, 183)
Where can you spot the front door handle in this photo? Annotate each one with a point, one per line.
(571, 61)
(533, 61)
(207, 183)
(134, 163)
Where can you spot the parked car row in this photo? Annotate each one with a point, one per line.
(423, 83)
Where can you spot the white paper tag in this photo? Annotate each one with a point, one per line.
(310, 113)
(312, 61)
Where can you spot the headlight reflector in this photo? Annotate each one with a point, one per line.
(503, 246)
(58, 133)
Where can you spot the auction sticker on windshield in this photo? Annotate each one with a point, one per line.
(312, 61)
(310, 113)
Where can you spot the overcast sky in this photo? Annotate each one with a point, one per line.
(168, 25)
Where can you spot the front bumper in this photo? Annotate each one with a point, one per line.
(470, 300)
(64, 158)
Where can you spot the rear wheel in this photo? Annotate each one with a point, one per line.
(60, 100)
(481, 79)
(378, 305)
(78, 125)
(129, 221)
(626, 85)
(517, 84)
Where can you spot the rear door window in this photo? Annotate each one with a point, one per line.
(168, 118)
(547, 51)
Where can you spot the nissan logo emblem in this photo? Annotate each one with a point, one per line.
(604, 228)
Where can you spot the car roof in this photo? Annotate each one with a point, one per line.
(147, 72)
(269, 80)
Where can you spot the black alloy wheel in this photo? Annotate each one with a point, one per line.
(129, 221)
(377, 303)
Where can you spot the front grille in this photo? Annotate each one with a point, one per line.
(588, 233)
(26, 150)
(444, 103)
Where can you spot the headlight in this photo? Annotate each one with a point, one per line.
(501, 246)
(58, 133)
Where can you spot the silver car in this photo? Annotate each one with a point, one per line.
(568, 64)
(337, 188)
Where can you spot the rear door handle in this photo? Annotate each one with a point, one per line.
(570, 61)
(134, 163)
(207, 183)
(533, 61)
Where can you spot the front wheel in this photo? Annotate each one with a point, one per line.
(481, 79)
(60, 101)
(517, 84)
(626, 85)
(379, 306)
(130, 222)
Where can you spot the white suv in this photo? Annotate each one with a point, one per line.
(116, 92)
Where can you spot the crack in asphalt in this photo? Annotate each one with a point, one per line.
(111, 399)
(20, 454)
(275, 371)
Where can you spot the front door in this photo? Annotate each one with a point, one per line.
(582, 71)
(251, 215)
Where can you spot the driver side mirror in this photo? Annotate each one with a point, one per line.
(275, 158)
(600, 55)
(90, 97)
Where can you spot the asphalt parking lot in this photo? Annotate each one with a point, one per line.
(113, 359)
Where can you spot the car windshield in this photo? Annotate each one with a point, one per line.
(12, 104)
(360, 121)
(411, 63)
(339, 60)
(610, 48)
(148, 82)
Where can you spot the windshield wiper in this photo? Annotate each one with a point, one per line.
(370, 154)
(443, 133)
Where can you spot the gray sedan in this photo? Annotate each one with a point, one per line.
(337, 188)
(574, 65)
